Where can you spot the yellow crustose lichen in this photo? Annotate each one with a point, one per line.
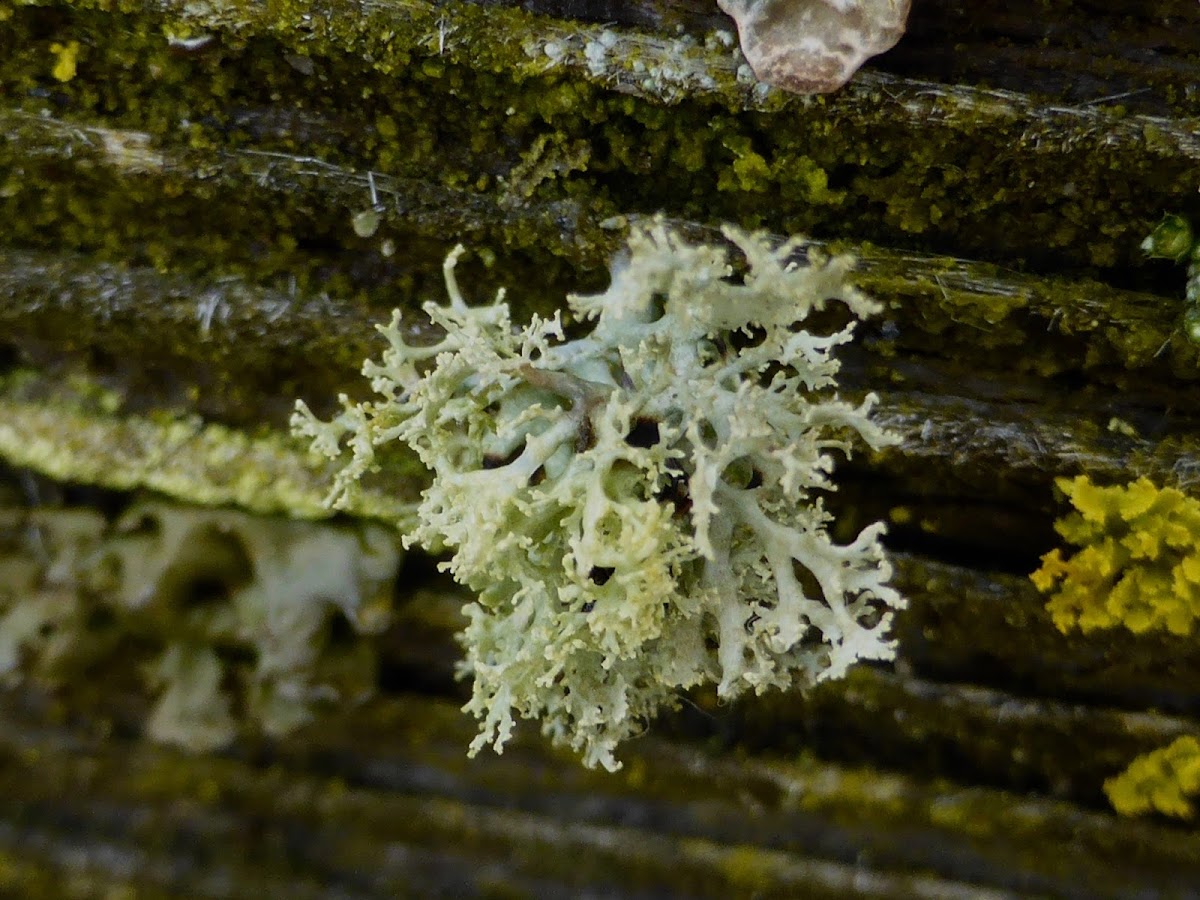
(1139, 562)
(637, 508)
(1159, 781)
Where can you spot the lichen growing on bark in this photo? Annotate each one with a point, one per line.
(230, 616)
(1138, 565)
(1159, 781)
(638, 508)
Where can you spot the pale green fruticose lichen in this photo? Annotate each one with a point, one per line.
(636, 507)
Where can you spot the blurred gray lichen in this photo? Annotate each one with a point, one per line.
(239, 612)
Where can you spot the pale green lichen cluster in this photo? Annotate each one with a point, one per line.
(637, 507)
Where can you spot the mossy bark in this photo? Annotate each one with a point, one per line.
(184, 252)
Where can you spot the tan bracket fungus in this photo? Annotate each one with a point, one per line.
(814, 46)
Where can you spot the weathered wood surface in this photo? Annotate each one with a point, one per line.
(178, 263)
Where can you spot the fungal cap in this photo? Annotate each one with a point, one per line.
(814, 46)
